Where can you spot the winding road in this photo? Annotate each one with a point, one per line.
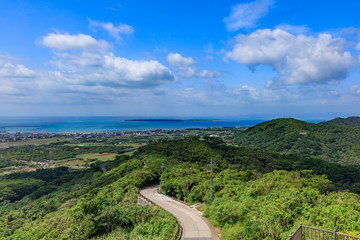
(195, 227)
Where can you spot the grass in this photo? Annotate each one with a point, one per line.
(98, 156)
(201, 208)
(86, 159)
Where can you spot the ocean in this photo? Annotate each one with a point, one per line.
(110, 124)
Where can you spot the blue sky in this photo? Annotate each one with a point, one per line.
(263, 58)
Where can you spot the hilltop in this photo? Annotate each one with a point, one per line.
(328, 141)
(350, 121)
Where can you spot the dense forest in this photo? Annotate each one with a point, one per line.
(331, 142)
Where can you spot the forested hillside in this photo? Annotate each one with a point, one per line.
(88, 205)
(333, 143)
(350, 121)
(257, 195)
(193, 150)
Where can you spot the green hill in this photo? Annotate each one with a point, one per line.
(350, 121)
(340, 144)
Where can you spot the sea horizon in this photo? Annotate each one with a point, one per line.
(101, 124)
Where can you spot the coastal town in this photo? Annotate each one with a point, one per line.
(29, 151)
(6, 137)
(19, 136)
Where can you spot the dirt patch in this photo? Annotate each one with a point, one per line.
(104, 154)
(63, 163)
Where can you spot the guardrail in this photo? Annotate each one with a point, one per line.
(178, 233)
(312, 233)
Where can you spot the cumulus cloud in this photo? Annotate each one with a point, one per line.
(102, 68)
(85, 67)
(9, 70)
(67, 41)
(176, 60)
(77, 60)
(16, 79)
(117, 72)
(186, 67)
(114, 31)
(297, 59)
(246, 15)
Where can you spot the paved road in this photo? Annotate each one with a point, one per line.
(194, 226)
(102, 166)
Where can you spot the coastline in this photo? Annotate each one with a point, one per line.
(61, 125)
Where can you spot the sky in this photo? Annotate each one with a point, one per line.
(203, 58)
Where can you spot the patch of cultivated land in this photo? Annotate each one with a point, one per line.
(44, 141)
(85, 144)
(87, 158)
(70, 162)
(104, 154)
(98, 156)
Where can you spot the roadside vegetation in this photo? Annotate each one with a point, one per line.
(88, 205)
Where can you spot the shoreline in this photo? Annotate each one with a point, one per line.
(34, 132)
(18, 136)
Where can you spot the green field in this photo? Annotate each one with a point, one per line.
(36, 142)
(101, 157)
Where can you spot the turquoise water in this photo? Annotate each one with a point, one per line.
(110, 124)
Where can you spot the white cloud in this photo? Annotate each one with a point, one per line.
(101, 68)
(119, 71)
(358, 46)
(114, 31)
(251, 94)
(66, 41)
(261, 47)
(246, 15)
(297, 59)
(9, 70)
(16, 79)
(355, 89)
(186, 67)
(295, 30)
(208, 74)
(176, 60)
(91, 72)
(73, 61)
(114, 72)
